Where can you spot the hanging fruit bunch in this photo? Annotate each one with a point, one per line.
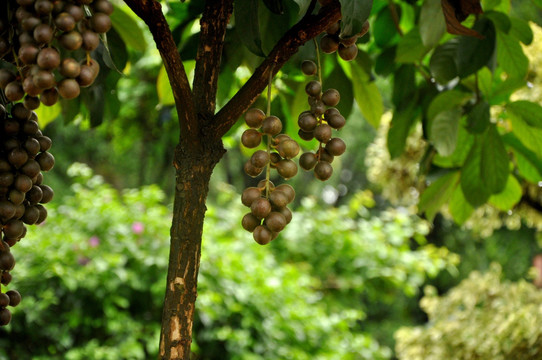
(269, 213)
(45, 53)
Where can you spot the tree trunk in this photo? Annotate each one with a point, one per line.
(194, 168)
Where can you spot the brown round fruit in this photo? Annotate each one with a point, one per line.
(14, 297)
(308, 160)
(251, 170)
(254, 118)
(48, 58)
(7, 261)
(47, 194)
(278, 199)
(31, 102)
(313, 88)
(288, 190)
(68, 88)
(71, 40)
(331, 97)
(45, 143)
(46, 161)
(260, 208)
(329, 43)
(275, 221)
(348, 53)
(44, 79)
(5, 317)
(309, 68)
(251, 138)
(28, 54)
(250, 222)
(70, 68)
(65, 21)
(14, 91)
(262, 235)
(287, 168)
(43, 34)
(307, 122)
(336, 147)
(91, 40)
(322, 133)
(4, 300)
(259, 159)
(306, 135)
(272, 125)
(336, 121)
(100, 22)
(323, 170)
(288, 149)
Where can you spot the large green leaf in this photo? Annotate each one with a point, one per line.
(383, 28)
(367, 96)
(485, 81)
(354, 13)
(529, 111)
(248, 26)
(459, 207)
(478, 118)
(275, 6)
(443, 130)
(474, 189)
(529, 136)
(474, 53)
(128, 29)
(494, 161)
(521, 30)
(446, 100)
(432, 24)
(443, 65)
(457, 158)
(404, 86)
(500, 20)
(528, 162)
(410, 48)
(401, 123)
(437, 194)
(509, 197)
(510, 55)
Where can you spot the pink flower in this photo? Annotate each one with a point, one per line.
(138, 227)
(94, 241)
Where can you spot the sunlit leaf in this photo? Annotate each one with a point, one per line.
(437, 194)
(509, 196)
(367, 96)
(432, 24)
(443, 131)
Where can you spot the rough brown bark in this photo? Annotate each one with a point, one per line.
(200, 145)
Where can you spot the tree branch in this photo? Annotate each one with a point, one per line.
(213, 24)
(150, 11)
(308, 28)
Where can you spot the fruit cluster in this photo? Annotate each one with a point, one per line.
(267, 202)
(318, 123)
(23, 156)
(49, 42)
(346, 47)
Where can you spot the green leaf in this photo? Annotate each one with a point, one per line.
(529, 136)
(529, 111)
(474, 53)
(47, 114)
(303, 5)
(401, 123)
(446, 100)
(459, 207)
(478, 118)
(443, 65)
(410, 48)
(510, 56)
(509, 197)
(521, 30)
(383, 28)
(538, 3)
(474, 189)
(457, 158)
(500, 20)
(437, 194)
(354, 13)
(494, 161)
(432, 24)
(485, 81)
(128, 28)
(275, 6)
(247, 25)
(502, 90)
(404, 86)
(367, 96)
(527, 167)
(490, 4)
(528, 162)
(443, 131)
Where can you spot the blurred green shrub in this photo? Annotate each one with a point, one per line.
(93, 276)
(482, 318)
